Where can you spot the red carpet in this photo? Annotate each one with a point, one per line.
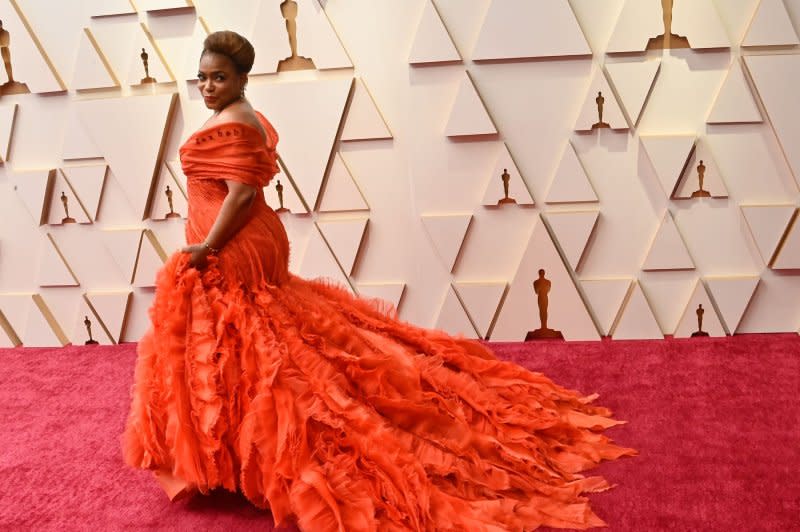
(716, 422)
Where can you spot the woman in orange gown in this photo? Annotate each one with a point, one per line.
(323, 407)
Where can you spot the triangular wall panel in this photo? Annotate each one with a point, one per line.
(177, 173)
(63, 303)
(364, 119)
(640, 21)
(482, 302)
(699, 305)
(525, 29)
(150, 260)
(432, 43)
(92, 70)
(468, 115)
(115, 37)
(188, 69)
(606, 297)
(735, 103)
(570, 183)
(171, 235)
(495, 188)
(34, 188)
(316, 38)
(731, 296)
(77, 142)
(668, 294)
(319, 261)
(344, 238)
(771, 75)
(157, 67)
(566, 310)
(572, 230)
(87, 327)
(771, 26)
(291, 199)
(636, 320)
(53, 267)
(633, 82)
(688, 186)
(305, 151)
(453, 318)
(447, 232)
(668, 250)
(112, 310)
(123, 245)
(64, 204)
(768, 224)
(42, 329)
(87, 184)
(146, 119)
(341, 192)
(166, 189)
(600, 93)
(669, 155)
(32, 67)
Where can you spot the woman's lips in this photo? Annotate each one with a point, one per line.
(210, 99)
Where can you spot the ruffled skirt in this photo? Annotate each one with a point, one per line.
(334, 414)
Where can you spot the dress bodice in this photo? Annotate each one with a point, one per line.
(236, 151)
(232, 150)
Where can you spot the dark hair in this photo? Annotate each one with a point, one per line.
(232, 45)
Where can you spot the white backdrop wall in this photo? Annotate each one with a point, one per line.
(393, 149)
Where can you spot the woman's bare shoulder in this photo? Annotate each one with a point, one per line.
(242, 113)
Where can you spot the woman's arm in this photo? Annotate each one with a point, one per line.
(233, 214)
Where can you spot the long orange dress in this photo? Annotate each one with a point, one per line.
(326, 408)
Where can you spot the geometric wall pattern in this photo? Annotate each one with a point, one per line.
(438, 156)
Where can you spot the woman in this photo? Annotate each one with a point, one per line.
(322, 407)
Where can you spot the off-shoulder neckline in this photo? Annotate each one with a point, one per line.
(265, 138)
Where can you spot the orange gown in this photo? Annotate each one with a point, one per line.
(329, 410)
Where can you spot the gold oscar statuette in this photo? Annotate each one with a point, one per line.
(506, 179)
(171, 213)
(699, 332)
(88, 324)
(667, 39)
(147, 78)
(11, 86)
(701, 175)
(65, 201)
(541, 287)
(294, 61)
(600, 100)
(279, 189)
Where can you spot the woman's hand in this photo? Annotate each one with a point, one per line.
(198, 257)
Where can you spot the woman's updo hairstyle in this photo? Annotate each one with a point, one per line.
(232, 45)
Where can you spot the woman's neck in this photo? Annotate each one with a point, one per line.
(235, 100)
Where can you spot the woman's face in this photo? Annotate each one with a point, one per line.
(218, 81)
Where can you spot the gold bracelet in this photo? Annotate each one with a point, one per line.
(211, 250)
